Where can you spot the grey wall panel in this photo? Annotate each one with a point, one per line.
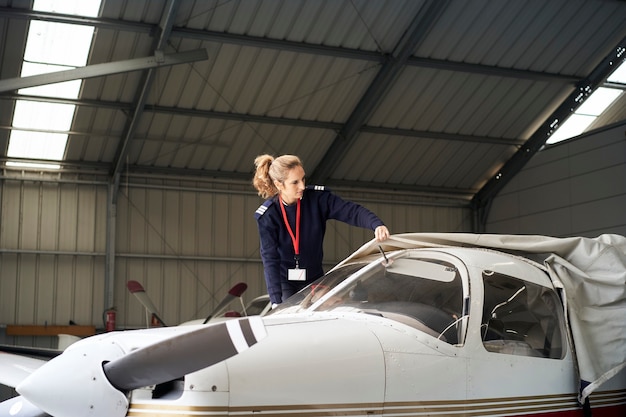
(38, 288)
(8, 287)
(11, 214)
(52, 236)
(605, 215)
(187, 242)
(576, 188)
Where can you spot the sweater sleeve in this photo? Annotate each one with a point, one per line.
(268, 233)
(351, 213)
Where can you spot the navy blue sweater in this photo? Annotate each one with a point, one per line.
(316, 207)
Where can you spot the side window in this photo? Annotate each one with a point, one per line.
(521, 318)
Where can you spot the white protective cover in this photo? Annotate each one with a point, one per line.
(590, 271)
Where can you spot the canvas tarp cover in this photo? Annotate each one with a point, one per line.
(590, 271)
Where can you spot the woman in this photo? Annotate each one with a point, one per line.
(292, 224)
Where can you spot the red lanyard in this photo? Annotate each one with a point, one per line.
(295, 239)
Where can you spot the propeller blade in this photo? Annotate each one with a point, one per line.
(20, 407)
(234, 292)
(175, 357)
(137, 290)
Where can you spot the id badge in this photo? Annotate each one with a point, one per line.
(296, 274)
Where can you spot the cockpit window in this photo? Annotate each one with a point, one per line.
(520, 318)
(426, 294)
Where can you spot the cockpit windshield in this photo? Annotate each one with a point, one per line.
(423, 293)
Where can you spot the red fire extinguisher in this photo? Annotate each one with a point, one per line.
(109, 320)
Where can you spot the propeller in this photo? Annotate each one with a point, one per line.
(137, 290)
(234, 292)
(172, 359)
(76, 383)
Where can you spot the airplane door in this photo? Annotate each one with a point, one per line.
(424, 375)
(329, 364)
(519, 359)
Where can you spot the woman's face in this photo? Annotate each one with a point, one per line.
(292, 188)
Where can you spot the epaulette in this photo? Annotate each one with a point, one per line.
(263, 208)
(317, 187)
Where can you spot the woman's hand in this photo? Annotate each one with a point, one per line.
(381, 233)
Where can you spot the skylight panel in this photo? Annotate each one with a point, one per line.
(43, 116)
(40, 128)
(58, 43)
(598, 101)
(573, 126)
(576, 124)
(89, 8)
(619, 75)
(36, 145)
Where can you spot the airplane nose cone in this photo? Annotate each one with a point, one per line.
(73, 384)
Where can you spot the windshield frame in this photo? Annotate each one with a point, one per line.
(344, 279)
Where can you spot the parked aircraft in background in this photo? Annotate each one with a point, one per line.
(257, 306)
(421, 325)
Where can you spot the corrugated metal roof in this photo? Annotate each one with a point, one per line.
(434, 97)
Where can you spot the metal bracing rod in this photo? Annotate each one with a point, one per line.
(98, 70)
(378, 88)
(165, 26)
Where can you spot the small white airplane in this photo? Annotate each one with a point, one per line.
(420, 325)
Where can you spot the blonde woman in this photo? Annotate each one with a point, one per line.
(292, 224)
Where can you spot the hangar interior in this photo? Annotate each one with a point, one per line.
(438, 115)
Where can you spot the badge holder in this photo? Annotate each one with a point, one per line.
(296, 274)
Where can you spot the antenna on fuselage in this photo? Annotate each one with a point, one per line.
(380, 248)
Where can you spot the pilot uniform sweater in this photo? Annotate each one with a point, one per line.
(316, 207)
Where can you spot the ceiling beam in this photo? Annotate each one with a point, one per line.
(535, 143)
(458, 193)
(424, 134)
(165, 28)
(284, 45)
(108, 68)
(417, 30)
(251, 118)
(361, 186)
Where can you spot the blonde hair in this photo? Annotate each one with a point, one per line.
(270, 169)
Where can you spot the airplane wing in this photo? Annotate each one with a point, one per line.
(15, 368)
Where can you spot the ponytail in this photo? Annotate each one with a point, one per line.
(270, 169)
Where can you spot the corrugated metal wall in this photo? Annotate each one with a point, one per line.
(52, 245)
(577, 188)
(187, 243)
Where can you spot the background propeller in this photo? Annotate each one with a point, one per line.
(137, 290)
(234, 292)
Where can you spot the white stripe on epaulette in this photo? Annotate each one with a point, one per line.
(261, 210)
(319, 188)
